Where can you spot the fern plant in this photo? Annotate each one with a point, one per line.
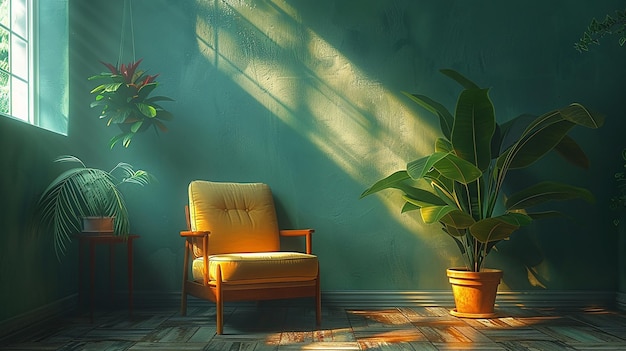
(84, 191)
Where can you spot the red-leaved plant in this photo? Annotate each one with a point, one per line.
(124, 99)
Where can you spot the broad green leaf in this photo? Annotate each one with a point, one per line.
(458, 169)
(458, 242)
(580, 115)
(114, 140)
(164, 115)
(145, 90)
(112, 87)
(407, 207)
(498, 228)
(146, 110)
(135, 127)
(443, 145)
(546, 132)
(496, 142)
(390, 181)
(448, 165)
(546, 191)
(98, 102)
(571, 152)
(459, 78)
(449, 215)
(162, 127)
(433, 214)
(454, 232)
(444, 193)
(534, 146)
(418, 168)
(127, 139)
(474, 125)
(457, 219)
(97, 89)
(421, 197)
(434, 177)
(446, 120)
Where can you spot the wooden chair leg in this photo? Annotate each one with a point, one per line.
(183, 304)
(183, 300)
(318, 309)
(219, 302)
(318, 300)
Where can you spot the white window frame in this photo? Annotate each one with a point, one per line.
(13, 104)
(55, 118)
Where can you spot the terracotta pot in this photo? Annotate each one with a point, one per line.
(474, 292)
(98, 225)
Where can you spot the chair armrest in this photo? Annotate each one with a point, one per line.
(296, 232)
(189, 236)
(194, 234)
(308, 233)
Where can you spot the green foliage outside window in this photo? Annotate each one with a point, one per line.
(4, 58)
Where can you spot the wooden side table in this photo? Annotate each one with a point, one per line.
(92, 240)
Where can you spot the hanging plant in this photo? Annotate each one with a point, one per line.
(124, 99)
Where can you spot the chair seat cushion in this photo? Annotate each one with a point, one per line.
(259, 267)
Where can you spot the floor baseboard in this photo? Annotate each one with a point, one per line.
(25, 322)
(535, 299)
(381, 298)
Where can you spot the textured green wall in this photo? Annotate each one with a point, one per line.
(30, 275)
(305, 96)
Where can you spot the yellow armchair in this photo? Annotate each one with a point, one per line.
(232, 249)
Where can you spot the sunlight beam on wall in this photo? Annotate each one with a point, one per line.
(313, 88)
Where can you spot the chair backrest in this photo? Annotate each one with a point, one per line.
(240, 216)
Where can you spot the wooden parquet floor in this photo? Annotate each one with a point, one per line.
(275, 327)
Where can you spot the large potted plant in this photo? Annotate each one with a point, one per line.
(460, 184)
(124, 99)
(81, 192)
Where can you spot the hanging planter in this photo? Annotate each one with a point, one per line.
(124, 94)
(124, 99)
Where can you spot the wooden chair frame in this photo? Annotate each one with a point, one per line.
(220, 292)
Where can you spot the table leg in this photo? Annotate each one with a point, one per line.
(91, 279)
(111, 272)
(80, 272)
(130, 275)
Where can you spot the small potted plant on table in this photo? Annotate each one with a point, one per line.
(83, 192)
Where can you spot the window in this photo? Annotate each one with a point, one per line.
(33, 90)
(15, 63)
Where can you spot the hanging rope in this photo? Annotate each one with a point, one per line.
(127, 5)
(132, 28)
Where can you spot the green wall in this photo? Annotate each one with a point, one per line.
(305, 96)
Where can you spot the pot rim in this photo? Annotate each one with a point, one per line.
(464, 269)
(465, 274)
